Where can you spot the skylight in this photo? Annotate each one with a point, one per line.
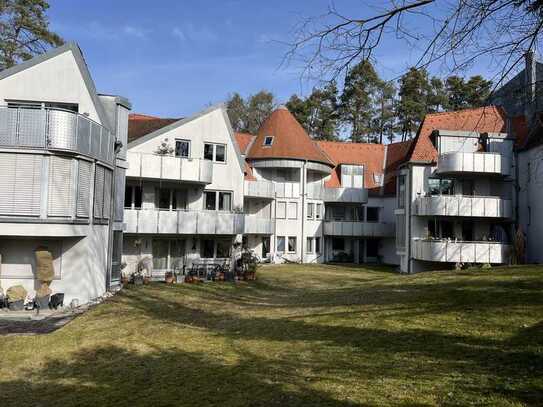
(268, 141)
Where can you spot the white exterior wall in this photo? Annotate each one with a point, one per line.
(55, 80)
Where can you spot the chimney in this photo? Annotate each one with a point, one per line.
(530, 79)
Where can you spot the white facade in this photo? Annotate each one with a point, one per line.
(60, 177)
(457, 211)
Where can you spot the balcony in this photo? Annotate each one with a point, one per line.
(480, 163)
(338, 195)
(154, 221)
(55, 130)
(461, 252)
(362, 229)
(462, 205)
(165, 167)
(259, 189)
(258, 226)
(287, 189)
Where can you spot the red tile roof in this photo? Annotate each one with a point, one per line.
(290, 140)
(396, 154)
(244, 140)
(483, 119)
(140, 125)
(371, 156)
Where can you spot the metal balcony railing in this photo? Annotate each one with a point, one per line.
(259, 189)
(255, 225)
(463, 205)
(483, 163)
(357, 228)
(450, 251)
(55, 129)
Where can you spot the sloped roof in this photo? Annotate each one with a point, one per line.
(244, 140)
(482, 119)
(140, 125)
(396, 155)
(290, 140)
(371, 156)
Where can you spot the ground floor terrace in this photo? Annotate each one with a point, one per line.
(301, 335)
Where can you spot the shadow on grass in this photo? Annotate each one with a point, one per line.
(107, 376)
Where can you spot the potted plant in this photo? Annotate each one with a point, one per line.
(16, 297)
(43, 294)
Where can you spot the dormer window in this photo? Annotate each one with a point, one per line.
(268, 141)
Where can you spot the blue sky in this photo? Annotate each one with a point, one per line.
(173, 58)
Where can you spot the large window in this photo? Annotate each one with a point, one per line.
(215, 152)
(207, 249)
(132, 197)
(166, 198)
(310, 207)
(318, 245)
(372, 247)
(281, 210)
(338, 243)
(438, 186)
(280, 243)
(223, 248)
(292, 244)
(218, 200)
(372, 214)
(182, 148)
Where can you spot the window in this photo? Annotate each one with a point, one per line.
(207, 248)
(160, 254)
(280, 243)
(401, 191)
(132, 197)
(225, 201)
(358, 213)
(223, 248)
(268, 141)
(292, 210)
(318, 211)
(338, 243)
(310, 207)
(164, 195)
(182, 148)
(292, 243)
(54, 105)
(338, 213)
(309, 245)
(215, 152)
(210, 200)
(440, 186)
(372, 214)
(222, 198)
(372, 247)
(208, 151)
(318, 245)
(281, 210)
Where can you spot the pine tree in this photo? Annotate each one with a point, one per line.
(384, 123)
(413, 105)
(323, 112)
(24, 31)
(358, 100)
(248, 115)
(237, 112)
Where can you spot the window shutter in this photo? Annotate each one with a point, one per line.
(83, 189)
(107, 194)
(60, 195)
(99, 192)
(20, 184)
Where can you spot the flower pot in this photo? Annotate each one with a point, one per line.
(169, 277)
(42, 302)
(16, 305)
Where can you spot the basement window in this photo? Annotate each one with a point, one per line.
(268, 141)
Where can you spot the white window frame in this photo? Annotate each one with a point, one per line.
(289, 205)
(309, 244)
(295, 244)
(318, 211)
(284, 239)
(310, 210)
(265, 143)
(184, 141)
(217, 194)
(214, 158)
(277, 214)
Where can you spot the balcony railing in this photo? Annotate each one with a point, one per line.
(483, 163)
(340, 195)
(259, 189)
(258, 226)
(461, 251)
(354, 228)
(55, 129)
(287, 189)
(165, 167)
(183, 222)
(463, 205)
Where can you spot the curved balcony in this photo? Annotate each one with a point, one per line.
(445, 251)
(363, 229)
(165, 167)
(154, 221)
(339, 195)
(55, 129)
(258, 226)
(259, 189)
(480, 163)
(462, 205)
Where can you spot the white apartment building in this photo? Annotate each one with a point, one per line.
(194, 187)
(60, 174)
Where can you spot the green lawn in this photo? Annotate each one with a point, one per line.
(300, 335)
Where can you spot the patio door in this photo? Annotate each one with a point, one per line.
(265, 247)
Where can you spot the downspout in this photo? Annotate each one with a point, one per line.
(304, 169)
(116, 148)
(408, 219)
